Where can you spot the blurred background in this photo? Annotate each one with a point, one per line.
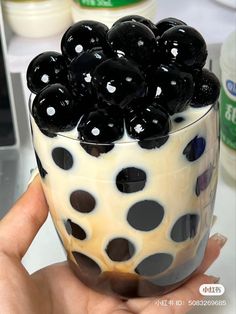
(28, 28)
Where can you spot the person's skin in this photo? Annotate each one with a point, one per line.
(55, 289)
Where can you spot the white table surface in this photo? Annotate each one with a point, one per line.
(215, 22)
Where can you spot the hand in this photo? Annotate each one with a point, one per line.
(55, 289)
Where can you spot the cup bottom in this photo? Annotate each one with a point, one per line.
(123, 285)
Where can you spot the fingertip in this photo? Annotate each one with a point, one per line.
(24, 220)
(219, 239)
(212, 252)
(214, 279)
(35, 189)
(213, 249)
(33, 174)
(197, 281)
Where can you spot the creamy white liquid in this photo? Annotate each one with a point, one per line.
(171, 181)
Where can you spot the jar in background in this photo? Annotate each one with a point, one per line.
(41, 18)
(108, 11)
(228, 105)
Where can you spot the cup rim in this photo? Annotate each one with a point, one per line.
(130, 140)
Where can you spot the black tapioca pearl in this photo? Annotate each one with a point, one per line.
(120, 250)
(179, 119)
(185, 228)
(183, 271)
(153, 143)
(195, 148)
(203, 180)
(154, 264)
(75, 230)
(82, 201)
(68, 226)
(96, 150)
(177, 275)
(145, 215)
(62, 158)
(86, 264)
(42, 171)
(130, 180)
(48, 134)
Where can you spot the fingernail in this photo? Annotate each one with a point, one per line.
(33, 174)
(220, 238)
(215, 279)
(214, 219)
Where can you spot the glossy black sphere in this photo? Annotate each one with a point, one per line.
(45, 69)
(118, 82)
(137, 18)
(80, 73)
(138, 104)
(172, 88)
(184, 46)
(54, 110)
(151, 125)
(207, 89)
(135, 41)
(83, 36)
(100, 127)
(165, 24)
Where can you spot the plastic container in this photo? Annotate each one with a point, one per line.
(108, 11)
(36, 19)
(228, 105)
(132, 227)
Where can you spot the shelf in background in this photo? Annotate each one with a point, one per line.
(215, 22)
(22, 50)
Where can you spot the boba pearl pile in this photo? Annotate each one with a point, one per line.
(126, 192)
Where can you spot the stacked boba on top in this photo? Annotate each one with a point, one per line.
(131, 79)
(126, 140)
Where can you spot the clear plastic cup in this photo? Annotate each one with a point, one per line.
(133, 221)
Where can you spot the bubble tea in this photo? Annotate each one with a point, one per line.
(125, 130)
